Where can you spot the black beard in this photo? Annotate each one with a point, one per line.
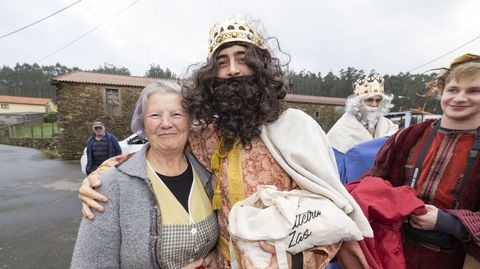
(235, 97)
(236, 102)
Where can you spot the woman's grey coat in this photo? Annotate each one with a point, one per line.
(124, 235)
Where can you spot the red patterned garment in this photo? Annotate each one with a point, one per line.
(441, 174)
(258, 168)
(438, 181)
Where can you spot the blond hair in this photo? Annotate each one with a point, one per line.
(469, 70)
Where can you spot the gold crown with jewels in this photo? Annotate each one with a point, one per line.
(372, 84)
(236, 28)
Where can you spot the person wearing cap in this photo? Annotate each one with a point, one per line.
(101, 146)
(246, 137)
(362, 125)
(440, 160)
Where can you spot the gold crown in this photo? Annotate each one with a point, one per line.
(372, 84)
(236, 28)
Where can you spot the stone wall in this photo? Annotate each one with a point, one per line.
(81, 104)
(325, 115)
(37, 143)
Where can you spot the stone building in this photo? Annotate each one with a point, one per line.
(325, 110)
(84, 97)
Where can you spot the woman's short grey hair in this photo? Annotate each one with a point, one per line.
(164, 87)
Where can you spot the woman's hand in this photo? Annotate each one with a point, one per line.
(210, 261)
(246, 264)
(194, 265)
(427, 221)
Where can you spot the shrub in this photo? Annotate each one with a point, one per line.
(51, 117)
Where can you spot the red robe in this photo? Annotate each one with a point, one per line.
(385, 207)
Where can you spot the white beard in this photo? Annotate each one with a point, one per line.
(369, 117)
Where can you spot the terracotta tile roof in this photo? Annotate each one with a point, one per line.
(334, 101)
(106, 79)
(23, 100)
(120, 80)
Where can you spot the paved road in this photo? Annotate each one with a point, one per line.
(39, 209)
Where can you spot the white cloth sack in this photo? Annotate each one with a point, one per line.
(299, 145)
(292, 220)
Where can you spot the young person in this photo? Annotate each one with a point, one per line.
(440, 160)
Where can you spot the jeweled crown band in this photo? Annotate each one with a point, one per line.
(373, 84)
(235, 28)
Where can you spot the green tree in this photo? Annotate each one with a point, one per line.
(409, 92)
(344, 85)
(31, 80)
(107, 68)
(156, 71)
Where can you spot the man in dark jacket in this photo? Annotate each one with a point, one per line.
(101, 145)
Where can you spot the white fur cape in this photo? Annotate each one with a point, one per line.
(348, 132)
(301, 148)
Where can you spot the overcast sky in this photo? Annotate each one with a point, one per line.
(321, 36)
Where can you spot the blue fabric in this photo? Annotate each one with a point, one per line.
(360, 158)
(113, 149)
(334, 265)
(340, 159)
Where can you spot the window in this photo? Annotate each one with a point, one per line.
(112, 103)
(4, 106)
(112, 97)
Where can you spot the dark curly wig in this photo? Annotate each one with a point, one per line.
(237, 106)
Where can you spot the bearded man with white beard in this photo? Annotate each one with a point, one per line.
(362, 123)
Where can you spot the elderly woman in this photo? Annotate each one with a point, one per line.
(159, 211)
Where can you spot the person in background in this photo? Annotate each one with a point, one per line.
(363, 121)
(440, 160)
(101, 146)
(247, 137)
(159, 214)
